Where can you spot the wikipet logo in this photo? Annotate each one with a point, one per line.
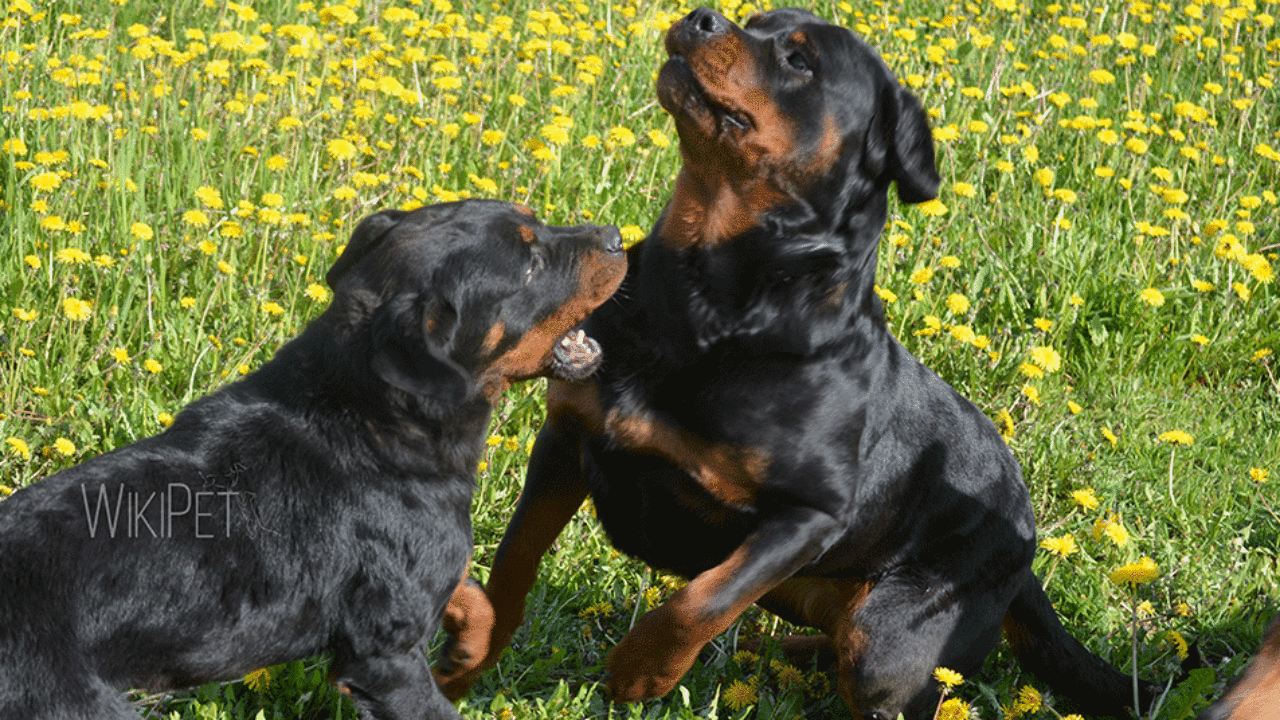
(210, 512)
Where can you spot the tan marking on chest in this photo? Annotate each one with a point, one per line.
(732, 474)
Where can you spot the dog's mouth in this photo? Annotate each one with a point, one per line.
(682, 94)
(575, 357)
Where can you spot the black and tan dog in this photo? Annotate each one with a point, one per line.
(319, 504)
(756, 428)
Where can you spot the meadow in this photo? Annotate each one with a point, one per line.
(1097, 274)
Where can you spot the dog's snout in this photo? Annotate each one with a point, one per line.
(707, 22)
(611, 239)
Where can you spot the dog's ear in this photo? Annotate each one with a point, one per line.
(411, 334)
(364, 238)
(912, 162)
(900, 144)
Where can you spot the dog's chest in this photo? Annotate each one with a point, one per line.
(733, 472)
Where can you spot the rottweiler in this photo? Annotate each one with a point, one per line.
(319, 504)
(1256, 695)
(756, 428)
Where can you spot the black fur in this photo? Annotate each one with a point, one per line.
(320, 504)
(755, 426)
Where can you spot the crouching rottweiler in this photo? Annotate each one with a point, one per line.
(756, 427)
(320, 503)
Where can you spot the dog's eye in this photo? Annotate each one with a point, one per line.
(797, 61)
(536, 263)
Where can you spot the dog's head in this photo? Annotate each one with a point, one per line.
(469, 296)
(789, 110)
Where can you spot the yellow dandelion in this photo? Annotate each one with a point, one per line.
(1085, 498)
(933, 208)
(317, 292)
(1110, 436)
(1176, 437)
(1259, 475)
(258, 680)
(120, 355)
(341, 149)
(1061, 546)
(77, 309)
(922, 275)
(1139, 573)
(64, 447)
(272, 308)
(1029, 699)
(948, 677)
(210, 197)
(195, 218)
(1047, 358)
(957, 304)
(153, 366)
(165, 419)
(739, 695)
(1152, 297)
(1116, 532)
(953, 709)
(46, 181)
(19, 447)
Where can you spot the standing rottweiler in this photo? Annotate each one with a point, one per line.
(756, 428)
(322, 503)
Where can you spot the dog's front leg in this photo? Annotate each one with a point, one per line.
(665, 642)
(553, 492)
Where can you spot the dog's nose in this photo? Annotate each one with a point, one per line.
(707, 22)
(611, 239)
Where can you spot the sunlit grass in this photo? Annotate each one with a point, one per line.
(1097, 274)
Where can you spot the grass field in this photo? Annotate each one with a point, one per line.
(176, 177)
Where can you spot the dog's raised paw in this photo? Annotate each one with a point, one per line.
(576, 357)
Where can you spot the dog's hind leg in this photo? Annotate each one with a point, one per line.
(891, 644)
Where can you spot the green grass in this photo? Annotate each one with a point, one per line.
(1066, 194)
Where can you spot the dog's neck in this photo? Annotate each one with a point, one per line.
(394, 424)
(705, 211)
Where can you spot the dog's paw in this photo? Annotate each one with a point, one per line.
(576, 357)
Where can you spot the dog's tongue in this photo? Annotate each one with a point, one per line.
(575, 357)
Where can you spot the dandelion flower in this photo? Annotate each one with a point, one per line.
(165, 419)
(153, 366)
(953, 709)
(1115, 532)
(1152, 297)
(1061, 546)
(1139, 573)
(317, 292)
(948, 677)
(740, 695)
(141, 230)
(1176, 437)
(933, 208)
(922, 275)
(958, 304)
(77, 309)
(258, 680)
(120, 355)
(1085, 498)
(1047, 358)
(20, 447)
(64, 447)
(341, 149)
(1259, 475)
(1110, 436)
